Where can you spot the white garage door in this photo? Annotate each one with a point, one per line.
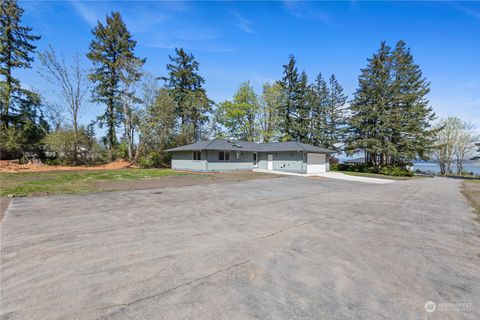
(316, 163)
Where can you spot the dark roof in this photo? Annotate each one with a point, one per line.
(356, 160)
(220, 144)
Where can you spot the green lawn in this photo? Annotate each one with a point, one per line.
(61, 182)
(380, 176)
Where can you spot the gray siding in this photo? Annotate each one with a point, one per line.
(262, 160)
(289, 161)
(183, 160)
(243, 162)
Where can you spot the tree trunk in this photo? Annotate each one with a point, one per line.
(75, 139)
(459, 165)
(111, 124)
(8, 77)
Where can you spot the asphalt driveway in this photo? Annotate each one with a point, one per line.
(286, 248)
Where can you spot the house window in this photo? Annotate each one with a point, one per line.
(224, 155)
(197, 155)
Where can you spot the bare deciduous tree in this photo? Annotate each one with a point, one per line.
(465, 146)
(72, 83)
(455, 142)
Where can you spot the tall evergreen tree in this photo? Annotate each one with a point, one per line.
(369, 106)
(193, 104)
(16, 49)
(302, 130)
(410, 113)
(390, 116)
(335, 114)
(319, 100)
(290, 104)
(328, 113)
(110, 51)
(21, 122)
(286, 112)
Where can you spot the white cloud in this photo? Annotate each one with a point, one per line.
(242, 23)
(303, 10)
(86, 12)
(139, 16)
(154, 25)
(466, 9)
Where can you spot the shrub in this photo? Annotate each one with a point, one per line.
(368, 168)
(153, 160)
(60, 148)
(396, 171)
(334, 166)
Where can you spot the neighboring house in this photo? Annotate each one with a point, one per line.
(355, 161)
(226, 155)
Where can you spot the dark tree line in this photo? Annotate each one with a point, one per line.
(388, 118)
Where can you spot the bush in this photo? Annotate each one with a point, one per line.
(153, 160)
(368, 168)
(60, 148)
(396, 171)
(334, 166)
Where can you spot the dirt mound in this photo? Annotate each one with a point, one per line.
(12, 166)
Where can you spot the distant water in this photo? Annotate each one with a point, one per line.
(434, 167)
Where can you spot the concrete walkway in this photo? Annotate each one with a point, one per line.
(342, 176)
(331, 175)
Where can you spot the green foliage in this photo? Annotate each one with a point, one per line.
(110, 52)
(395, 171)
(69, 147)
(120, 152)
(21, 138)
(368, 168)
(239, 116)
(192, 103)
(271, 100)
(335, 167)
(16, 50)
(328, 124)
(294, 111)
(159, 128)
(154, 160)
(21, 123)
(390, 116)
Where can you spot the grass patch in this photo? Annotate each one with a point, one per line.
(380, 176)
(58, 182)
(471, 190)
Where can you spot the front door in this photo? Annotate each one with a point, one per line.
(270, 162)
(255, 160)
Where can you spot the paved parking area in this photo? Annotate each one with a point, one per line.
(286, 248)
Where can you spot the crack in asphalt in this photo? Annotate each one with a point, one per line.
(285, 229)
(184, 284)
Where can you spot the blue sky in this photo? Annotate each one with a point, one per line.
(239, 41)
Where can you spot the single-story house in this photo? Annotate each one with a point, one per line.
(225, 155)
